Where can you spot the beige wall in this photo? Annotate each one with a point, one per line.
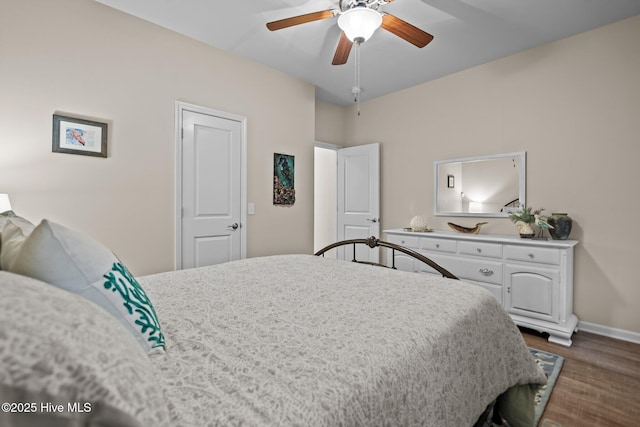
(331, 121)
(80, 57)
(574, 106)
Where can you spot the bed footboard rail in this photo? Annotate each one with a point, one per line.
(374, 242)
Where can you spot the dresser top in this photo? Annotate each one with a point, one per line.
(495, 238)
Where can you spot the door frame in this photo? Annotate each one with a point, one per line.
(334, 212)
(180, 107)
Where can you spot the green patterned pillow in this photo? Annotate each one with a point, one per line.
(75, 262)
(136, 302)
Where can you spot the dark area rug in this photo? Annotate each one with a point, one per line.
(551, 365)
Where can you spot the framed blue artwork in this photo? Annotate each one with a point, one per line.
(73, 135)
(284, 192)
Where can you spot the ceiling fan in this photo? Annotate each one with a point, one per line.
(358, 20)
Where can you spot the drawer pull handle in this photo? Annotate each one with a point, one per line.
(437, 245)
(531, 255)
(479, 250)
(486, 272)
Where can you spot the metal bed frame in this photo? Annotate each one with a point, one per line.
(374, 242)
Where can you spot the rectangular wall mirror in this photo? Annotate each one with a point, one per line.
(489, 186)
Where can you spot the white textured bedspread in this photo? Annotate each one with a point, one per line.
(298, 340)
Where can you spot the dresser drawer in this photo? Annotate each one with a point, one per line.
(438, 245)
(467, 268)
(530, 254)
(412, 242)
(491, 250)
(479, 270)
(444, 261)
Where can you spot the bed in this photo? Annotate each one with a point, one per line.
(287, 340)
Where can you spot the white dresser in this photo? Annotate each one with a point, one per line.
(532, 279)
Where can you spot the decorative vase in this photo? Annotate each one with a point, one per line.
(525, 230)
(561, 223)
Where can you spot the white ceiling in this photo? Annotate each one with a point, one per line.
(466, 33)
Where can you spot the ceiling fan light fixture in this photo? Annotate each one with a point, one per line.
(359, 23)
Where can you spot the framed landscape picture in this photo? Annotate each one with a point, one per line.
(79, 136)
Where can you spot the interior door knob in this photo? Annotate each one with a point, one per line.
(372, 219)
(234, 226)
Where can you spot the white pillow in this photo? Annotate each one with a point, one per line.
(75, 262)
(58, 348)
(13, 231)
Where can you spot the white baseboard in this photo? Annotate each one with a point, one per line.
(620, 334)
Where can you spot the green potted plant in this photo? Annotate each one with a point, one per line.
(525, 217)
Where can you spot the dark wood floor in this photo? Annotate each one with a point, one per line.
(599, 384)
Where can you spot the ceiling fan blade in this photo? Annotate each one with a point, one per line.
(301, 19)
(342, 51)
(406, 31)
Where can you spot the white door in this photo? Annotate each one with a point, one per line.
(211, 188)
(358, 199)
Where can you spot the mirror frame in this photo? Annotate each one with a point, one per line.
(522, 184)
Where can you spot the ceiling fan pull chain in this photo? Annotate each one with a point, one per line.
(357, 89)
(356, 76)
